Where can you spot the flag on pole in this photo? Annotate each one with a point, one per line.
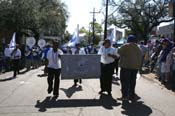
(74, 39)
(13, 41)
(113, 36)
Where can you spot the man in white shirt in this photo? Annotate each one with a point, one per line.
(16, 56)
(54, 69)
(7, 54)
(108, 56)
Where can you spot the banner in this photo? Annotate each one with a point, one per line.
(80, 66)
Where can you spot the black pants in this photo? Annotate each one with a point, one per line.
(107, 71)
(116, 65)
(53, 76)
(77, 80)
(173, 80)
(15, 67)
(7, 64)
(128, 82)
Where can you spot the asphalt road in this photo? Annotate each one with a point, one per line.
(27, 95)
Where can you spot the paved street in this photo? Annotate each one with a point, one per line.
(26, 95)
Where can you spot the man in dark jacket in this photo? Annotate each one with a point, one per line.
(130, 63)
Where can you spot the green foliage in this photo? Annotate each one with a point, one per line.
(140, 16)
(97, 27)
(83, 30)
(39, 16)
(89, 33)
(67, 37)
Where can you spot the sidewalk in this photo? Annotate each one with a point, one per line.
(150, 76)
(153, 77)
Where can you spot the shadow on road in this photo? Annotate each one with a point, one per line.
(136, 109)
(106, 101)
(70, 91)
(115, 80)
(7, 79)
(23, 72)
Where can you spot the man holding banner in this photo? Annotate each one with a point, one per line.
(108, 56)
(54, 69)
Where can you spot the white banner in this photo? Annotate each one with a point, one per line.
(80, 66)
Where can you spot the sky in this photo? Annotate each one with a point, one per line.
(79, 13)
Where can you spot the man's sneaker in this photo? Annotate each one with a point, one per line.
(80, 81)
(133, 99)
(100, 92)
(109, 93)
(49, 91)
(55, 96)
(122, 98)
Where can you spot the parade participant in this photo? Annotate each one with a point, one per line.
(130, 63)
(173, 69)
(69, 51)
(166, 60)
(92, 49)
(108, 56)
(7, 54)
(79, 51)
(28, 54)
(54, 69)
(35, 57)
(143, 50)
(44, 58)
(16, 56)
(116, 60)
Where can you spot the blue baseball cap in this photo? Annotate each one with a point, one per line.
(132, 38)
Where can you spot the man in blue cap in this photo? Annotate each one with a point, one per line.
(130, 63)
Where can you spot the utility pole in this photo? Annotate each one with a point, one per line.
(106, 20)
(93, 25)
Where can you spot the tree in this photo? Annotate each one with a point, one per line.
(38, 16)
(97, 27)
(98, 30)
(83, 30)
(89, 33)
(54, 16)
(141, 16)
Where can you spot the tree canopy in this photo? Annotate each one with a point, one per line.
(89, 33)
(140, 16)
(46, 17)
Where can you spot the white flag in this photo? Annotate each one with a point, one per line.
(74, 39)
(13, 41)
(113, 36)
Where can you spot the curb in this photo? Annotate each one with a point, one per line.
(153, 79)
